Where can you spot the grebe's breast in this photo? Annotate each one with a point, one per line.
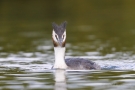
(81, 64)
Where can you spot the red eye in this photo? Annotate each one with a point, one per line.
(56, 37)
(63, 36)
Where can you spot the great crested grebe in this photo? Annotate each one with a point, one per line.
(59, 41)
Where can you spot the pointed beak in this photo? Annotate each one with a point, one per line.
(60, 42)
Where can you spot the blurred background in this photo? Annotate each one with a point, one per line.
(105, 26)
(101, 30)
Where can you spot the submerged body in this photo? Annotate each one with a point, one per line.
(59, 40)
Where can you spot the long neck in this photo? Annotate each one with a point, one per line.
(59, 53)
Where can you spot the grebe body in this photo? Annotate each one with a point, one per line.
(59, 41)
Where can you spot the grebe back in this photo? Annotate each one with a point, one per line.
(59, 41)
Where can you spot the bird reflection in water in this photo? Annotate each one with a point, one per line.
(60, 79)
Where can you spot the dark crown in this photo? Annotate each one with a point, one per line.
(59, 29)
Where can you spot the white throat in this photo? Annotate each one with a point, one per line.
(59, 53)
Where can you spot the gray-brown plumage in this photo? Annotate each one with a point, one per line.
(81, 64)
(59, 40)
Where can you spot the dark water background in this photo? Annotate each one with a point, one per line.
(101, 30)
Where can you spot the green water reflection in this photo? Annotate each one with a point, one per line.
(77, 80)
(108, 25)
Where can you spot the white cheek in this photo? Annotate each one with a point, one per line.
(53, 35)
(64, 36)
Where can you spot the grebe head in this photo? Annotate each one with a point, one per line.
(59, 34)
